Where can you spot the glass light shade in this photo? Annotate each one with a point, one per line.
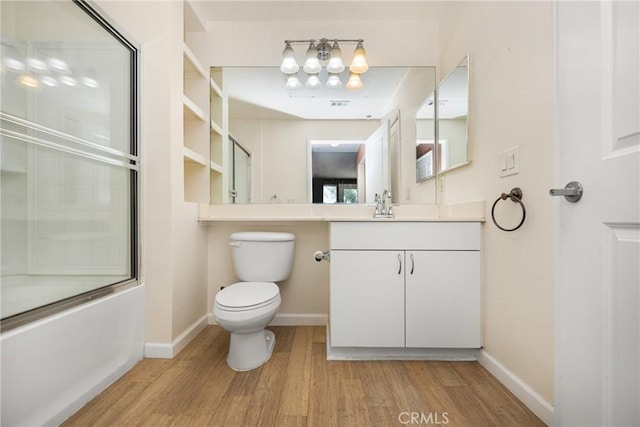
(359, 63)
(354, 82)
(312, 64)
(289, 64)
(13, 64)
(58, 65)
(293, 82)
(335, 65)
(313, 82)
(334, 81)
(36, 65)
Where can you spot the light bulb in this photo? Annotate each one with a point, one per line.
(49, 81)
(289, 64)
(334, 81)
(28, 81)
(354, 83)
(359, 63)
(312, 64)
(293, 82)
(69, 81)
(335, 65)
(90, 82)
(313, 82)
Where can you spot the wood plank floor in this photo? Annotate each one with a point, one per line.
(299, 387)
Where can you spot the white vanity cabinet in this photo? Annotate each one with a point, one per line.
(405, 284)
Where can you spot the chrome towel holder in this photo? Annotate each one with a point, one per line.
(516, 196)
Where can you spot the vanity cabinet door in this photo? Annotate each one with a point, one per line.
(367, 298)
(443, 299)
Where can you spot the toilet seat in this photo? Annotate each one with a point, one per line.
(245, 296)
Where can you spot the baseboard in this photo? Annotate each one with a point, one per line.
(169, 351)
(288, 319)
(536, 403)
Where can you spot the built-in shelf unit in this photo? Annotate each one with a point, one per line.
(205, 119)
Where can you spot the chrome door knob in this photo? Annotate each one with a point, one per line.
(572, 192)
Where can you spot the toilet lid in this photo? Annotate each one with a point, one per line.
(247, 294)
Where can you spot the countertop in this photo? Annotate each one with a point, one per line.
(460, 212)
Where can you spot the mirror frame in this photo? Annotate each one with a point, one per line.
(439, 171)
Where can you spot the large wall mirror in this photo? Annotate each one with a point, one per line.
(298, 138)
(453, 118)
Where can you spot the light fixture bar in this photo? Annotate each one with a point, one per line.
(326, 53)
(307, 41)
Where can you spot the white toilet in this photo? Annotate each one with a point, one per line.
(246, 308)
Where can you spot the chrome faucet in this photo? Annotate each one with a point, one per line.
(384, 208)
(378, 206)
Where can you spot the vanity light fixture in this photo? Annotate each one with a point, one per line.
(324, 52)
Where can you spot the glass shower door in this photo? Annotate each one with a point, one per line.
(68, 156)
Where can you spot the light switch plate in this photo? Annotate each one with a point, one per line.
(509, 162)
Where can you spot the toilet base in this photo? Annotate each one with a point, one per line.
(251, 350)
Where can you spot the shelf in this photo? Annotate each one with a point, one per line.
(14, 169)
(194, 157)
(215, 167)
(193, 109)
(215, 88)
(192, 67)
(216, 128)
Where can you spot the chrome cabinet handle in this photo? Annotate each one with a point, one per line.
(399, 264)
(572, 192)
(412, 264)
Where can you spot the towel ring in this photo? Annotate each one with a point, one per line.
(516, 196)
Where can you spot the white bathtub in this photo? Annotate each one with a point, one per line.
(52, 367)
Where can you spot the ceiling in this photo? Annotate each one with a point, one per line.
(331, 10)
(260, 92)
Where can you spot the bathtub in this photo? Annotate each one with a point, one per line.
(52, 367)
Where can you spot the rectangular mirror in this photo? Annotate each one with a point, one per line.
(276, 126)
(452, 124)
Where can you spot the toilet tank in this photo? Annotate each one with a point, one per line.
(260, 256)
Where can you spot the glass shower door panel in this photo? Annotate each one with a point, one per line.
(68, 154)
(242, 175)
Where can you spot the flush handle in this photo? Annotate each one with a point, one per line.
(572, 192)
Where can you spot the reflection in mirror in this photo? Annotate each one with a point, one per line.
(275, 125)
(337, 171)
(425, 137)
(453, 118)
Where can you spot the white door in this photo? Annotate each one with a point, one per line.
(443, 299)
(597, 370)
(377, 163)
(367, 298)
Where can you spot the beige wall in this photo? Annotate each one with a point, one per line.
(511, 50)
(173, 244)
(305, 292)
